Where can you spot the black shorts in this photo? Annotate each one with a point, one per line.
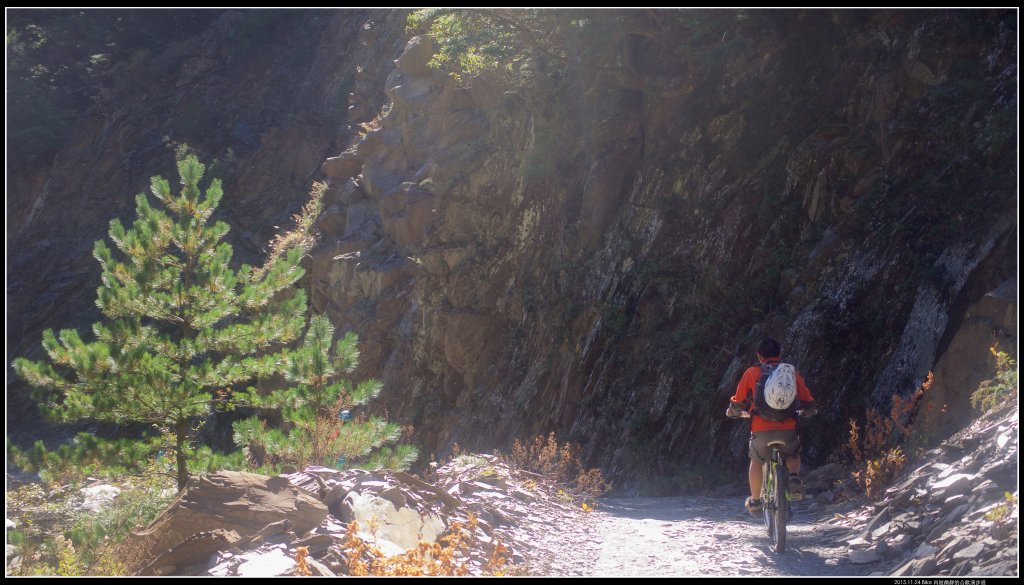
(759, 443)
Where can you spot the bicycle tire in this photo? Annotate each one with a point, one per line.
(781, 509)
(766, 498)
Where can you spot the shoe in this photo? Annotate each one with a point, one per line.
(796, 488)
(753, 506)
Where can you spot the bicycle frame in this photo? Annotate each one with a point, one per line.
(775, 497)
(774, 488)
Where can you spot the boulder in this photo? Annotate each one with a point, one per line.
(418, 52)
(342, 167)
(98, 497)
(194, 550)
(954, 485)
(403, 526)
(246, 504)
(821, 479)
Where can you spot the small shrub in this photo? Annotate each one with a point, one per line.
(1001, 389)
(560, 466)
(875, 449)
(1002, 512)
(301, 568)
(879, 472)
(56, 539)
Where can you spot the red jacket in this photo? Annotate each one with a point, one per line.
(745, 395)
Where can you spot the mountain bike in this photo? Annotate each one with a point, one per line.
(774, 492)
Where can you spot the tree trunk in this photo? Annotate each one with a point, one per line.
(180, 431)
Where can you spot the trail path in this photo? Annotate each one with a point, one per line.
(687, 536)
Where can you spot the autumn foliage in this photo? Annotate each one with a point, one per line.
(559, 465)
(449, 557)
(876, 449)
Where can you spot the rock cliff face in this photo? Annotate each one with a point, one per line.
(600, 260)
(262, 98)
(590, 254)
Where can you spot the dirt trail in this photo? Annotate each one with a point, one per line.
(688, 536)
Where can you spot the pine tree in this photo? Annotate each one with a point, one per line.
(180, 327)
(317, 407)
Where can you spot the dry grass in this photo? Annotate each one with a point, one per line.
(559, 466)
(875, 449)
(302, 235)
(301, 568)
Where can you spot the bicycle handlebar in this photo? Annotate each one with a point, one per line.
(746, 413)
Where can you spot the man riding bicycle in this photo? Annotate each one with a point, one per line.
(763, 431)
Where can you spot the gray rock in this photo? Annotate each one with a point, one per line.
(901, 543)
(961, 568)
(879, 518)
(863, 557)
(12, 563)
(952, 485)
(342, 167)
(942, 525)
(194, 550)
(952, 502)
(823, 478)
(881, 531)
(951, 549)
(985, 488)
(905, 569)
(997, 569)
(969, 552)
(858, 543)
(925, 566)
(418, 51)
(319, 569)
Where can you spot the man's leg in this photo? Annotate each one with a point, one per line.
(753, 503)
(755, 475)
(795, 485)
(793, 464)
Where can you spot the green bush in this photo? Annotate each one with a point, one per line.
(1002, 388)
(55, 538)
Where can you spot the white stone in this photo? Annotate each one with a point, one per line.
(98, 497)
(404, 527)
(268, 564)
(1003, 440)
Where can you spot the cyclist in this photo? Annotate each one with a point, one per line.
(764, 431)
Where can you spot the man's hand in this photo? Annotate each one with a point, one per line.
(808, 408)
(735, 410)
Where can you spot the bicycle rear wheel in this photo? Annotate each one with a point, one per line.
(781, 509)
(767, 489)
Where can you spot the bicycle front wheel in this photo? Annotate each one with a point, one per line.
(781, 511)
